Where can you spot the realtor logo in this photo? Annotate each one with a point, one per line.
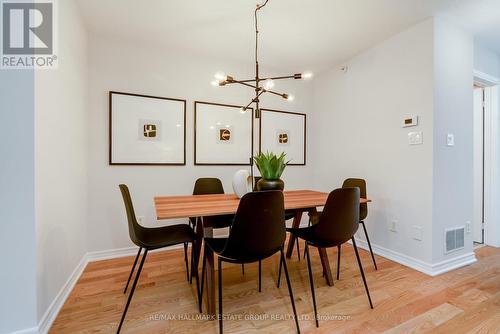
(28, 34)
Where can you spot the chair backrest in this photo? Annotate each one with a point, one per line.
(340, 218)
(208, 186)
(258, 230)
(361, 184)
(135, 230)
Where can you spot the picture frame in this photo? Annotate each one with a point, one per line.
(223, 135)
(146, 130)
(284, 131)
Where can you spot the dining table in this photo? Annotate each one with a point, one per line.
(205, 206)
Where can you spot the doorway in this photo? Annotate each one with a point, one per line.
(485, 144)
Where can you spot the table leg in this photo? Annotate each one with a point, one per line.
(291, 242)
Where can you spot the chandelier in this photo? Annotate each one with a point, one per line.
(260, 85)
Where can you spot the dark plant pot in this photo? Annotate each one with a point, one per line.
(263, 184)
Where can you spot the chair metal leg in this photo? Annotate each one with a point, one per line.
(312, 284)
(243, 269)
(279, 272)
(362, 272)
(338, 261)
(369, 244)
(132, 271)
(298, 248)
(132, 291)
(260, 276)
(220, 295)
(186, 260)
(290, 291)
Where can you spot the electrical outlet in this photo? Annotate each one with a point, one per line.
(467, 227)
(393, 226)
(418, 233)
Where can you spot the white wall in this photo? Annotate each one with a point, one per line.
(61, 160)
(453, 113)
(358, 118)
(17, 202)
(122, 66)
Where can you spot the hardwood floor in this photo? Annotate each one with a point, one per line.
(466, 300)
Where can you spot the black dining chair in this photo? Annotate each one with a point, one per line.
(258, 232)
(337, 224)
(363, 213)
(210, 186)
(151, 239)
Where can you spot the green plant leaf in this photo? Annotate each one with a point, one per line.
(270, 165)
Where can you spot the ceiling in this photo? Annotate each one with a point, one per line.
(295, 34)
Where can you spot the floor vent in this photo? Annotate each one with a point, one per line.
(454, 239)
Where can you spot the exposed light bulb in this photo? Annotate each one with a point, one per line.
(215, 83)
(221, 76)
(290, 97)
(242, 110)
(268, 84)
(307, 75)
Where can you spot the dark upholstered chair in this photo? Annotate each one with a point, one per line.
(363, 213)
(337, 224)
(258, 232)
(153, 238)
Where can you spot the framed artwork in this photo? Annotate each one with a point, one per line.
(223, 134)
(283, 131)
(146, 130)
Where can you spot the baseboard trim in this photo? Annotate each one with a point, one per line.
(58, 302)
(431, 269)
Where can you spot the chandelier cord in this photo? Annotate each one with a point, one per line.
(257, 30)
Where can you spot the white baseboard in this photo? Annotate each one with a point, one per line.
(431, 269)
(58, 302)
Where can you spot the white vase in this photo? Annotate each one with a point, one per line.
(242, 183)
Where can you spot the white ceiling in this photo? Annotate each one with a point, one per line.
(295, 34)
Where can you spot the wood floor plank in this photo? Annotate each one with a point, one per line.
(466, 300)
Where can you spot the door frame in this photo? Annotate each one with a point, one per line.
(490, 170)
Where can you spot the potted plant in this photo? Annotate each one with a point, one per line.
(270, 167)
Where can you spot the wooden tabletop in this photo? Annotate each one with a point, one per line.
(169, 207)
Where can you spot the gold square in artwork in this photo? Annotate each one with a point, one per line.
(224, 135)
(149, 130)
(283, 138)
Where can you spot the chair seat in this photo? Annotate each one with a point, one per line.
(217, 245)
(307, 234)
(165, 236)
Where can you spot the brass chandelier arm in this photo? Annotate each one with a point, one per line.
(295, 76)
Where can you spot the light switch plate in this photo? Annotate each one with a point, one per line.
(415, 138)
(450, 139)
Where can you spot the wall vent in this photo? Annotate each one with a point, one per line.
(454, 239)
